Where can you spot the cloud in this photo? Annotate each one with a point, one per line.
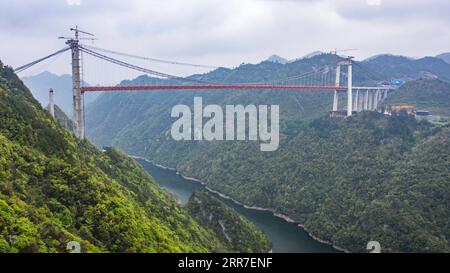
(397, 10)
(73, 2)
(373, 2)
(224, 33)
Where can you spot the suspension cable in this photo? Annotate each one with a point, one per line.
(26, 66)
(297, 77)
(169, 76)
(150, 59)
(139, 68)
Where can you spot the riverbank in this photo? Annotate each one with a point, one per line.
(272, 211)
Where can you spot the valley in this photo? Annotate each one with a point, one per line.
(340, 179)
(285, 237)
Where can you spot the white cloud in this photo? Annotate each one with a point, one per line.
(374, 2)
(228, 32)
(73, 2)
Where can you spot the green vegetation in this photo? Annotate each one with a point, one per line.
(55, 188)
(366, 178)
(432, 95)
(232, 229)
(370, 177)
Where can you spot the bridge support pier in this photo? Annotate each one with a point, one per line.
(356, 102)
(366, 100)
(361, 101)
(349, 89)
(375, 100)
(51, 103)
(336, 83)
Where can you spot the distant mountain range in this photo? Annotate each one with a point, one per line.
(277, 59)
(62, 85)
(388, 55)
(444, 56)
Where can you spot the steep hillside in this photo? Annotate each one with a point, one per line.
(63, 119)
(426, 94)
(231, 228)
(55, 188)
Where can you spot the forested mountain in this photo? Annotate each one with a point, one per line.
(55, 188)
(432, 95)
(366, 178)
(370, 71)
(231, 228)
(369, 177)
(398, 67)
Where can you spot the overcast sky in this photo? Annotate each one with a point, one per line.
(226, 32)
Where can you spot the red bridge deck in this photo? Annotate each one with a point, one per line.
(208, 87)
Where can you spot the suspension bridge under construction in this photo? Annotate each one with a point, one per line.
(359, 98)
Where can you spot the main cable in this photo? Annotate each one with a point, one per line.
(139, 68)
(26, 66)
(150, 59)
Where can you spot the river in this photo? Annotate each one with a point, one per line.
(285, 236)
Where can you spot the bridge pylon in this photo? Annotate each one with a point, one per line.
(78, 108)
(336, 83)
(349, 88)
(347, 62)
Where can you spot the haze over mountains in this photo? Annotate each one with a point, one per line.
(62, 85)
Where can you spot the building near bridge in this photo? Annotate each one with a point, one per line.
(422, 113)
(399, 107)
